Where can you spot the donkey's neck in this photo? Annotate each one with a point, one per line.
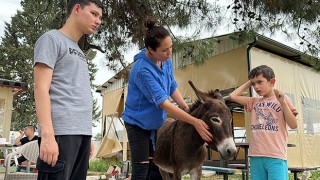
(192, 136)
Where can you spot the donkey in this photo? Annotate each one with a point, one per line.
(181, 150)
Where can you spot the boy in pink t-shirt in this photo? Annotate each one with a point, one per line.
(270, 115)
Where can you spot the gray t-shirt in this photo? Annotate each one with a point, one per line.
(70, 92)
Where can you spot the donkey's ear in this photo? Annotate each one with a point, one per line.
(217, 95)
(201, 95)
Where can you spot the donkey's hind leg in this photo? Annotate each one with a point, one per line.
(165, 175)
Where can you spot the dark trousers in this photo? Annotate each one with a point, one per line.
(73, 159)
(21, 159)
(141, 149)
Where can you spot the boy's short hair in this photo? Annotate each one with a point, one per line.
(265, 70)
(72, 3)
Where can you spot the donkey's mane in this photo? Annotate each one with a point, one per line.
(211, 93)
(195, 105)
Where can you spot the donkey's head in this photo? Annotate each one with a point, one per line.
(212, 109)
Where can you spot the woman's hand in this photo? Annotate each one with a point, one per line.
(202, 129)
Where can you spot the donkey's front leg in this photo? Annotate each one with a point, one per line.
(195, 174)
(177, 173)
(165, 175)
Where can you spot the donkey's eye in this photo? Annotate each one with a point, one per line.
(215, 119)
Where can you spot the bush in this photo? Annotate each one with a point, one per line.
(102, 165)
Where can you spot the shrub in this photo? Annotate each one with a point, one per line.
(102, 165)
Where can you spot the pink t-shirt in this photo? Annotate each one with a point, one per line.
(269, 133)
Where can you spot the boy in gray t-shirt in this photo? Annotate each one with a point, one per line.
(63, 94)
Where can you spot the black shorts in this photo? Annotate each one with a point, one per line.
(73, 159)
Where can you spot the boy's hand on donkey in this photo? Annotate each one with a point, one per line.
(202, 129)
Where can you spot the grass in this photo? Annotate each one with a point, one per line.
(99, 167)
(315, 175)
(96, 168)
(216, 177)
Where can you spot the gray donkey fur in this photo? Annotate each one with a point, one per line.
(181, 150)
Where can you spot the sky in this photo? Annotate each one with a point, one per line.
(7, 10)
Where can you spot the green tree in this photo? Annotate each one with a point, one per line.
(16, 53)
(123, 28)
(98, 137)
(294, 19)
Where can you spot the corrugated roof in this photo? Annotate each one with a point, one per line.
(13, 84)
(258, 41)
(17, 86)
(282, 50)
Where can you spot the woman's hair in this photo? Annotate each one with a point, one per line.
(154, 34)
(265, 70)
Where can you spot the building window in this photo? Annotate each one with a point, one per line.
(311, 114)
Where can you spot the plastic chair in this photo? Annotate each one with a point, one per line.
(30, 151)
